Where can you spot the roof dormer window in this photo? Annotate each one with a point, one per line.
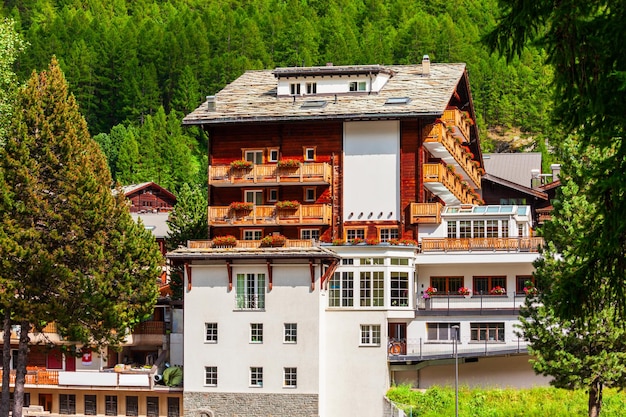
(311, 88)
(358, 86)
(294, 89)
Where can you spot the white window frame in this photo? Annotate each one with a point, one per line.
(309, 153)
(370, 335)
(294, 89)
(311, 88)
(210, 376)
(372, 288)
(253, 155)
(210, 332)
(355, 233)
(250, 291)
(341, 289)
(272, 195)
(256, 376)
(290, 377)
(387, 233)
(253, 196)
(399, 291)
(273, 154)
(290, 333)
(252, 234)
(256, 333)
(310, 234)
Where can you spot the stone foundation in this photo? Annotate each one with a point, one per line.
(224, 404)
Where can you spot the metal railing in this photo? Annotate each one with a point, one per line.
(423, 349)
(478, 304)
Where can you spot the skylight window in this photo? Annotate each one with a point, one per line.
(398, 100)
(313, 104)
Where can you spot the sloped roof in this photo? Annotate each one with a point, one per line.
(521, 188)
(253, 98)
(253, 253)
(513, 167)
(133, 188)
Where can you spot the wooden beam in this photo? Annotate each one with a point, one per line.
(188, 271)
(229, 268)
(312, 269)
(269, 274)
(329, 272)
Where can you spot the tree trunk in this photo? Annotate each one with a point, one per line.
(20, 375)
(595, 398)
(6, 364)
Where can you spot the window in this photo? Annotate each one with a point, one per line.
(256, 376)
(253, 196)
(482, 285)
(256, 333)
(504, 229)
(152, 406)
(173, 407)
(309, 194)
(399, 289)
(290, 379)
(341, 289)
(110, 405)
(294, 89)
(370, 335)
(440, 332)
(272, 194)
(362, 86)
(210, 332)
(491, 332)
(465, 228)
(309, 154)
(91, 406)
(132, 405)
(452, 228)
(210, 376)
(520, 283)
(479, 228)
(347, 261)
(387, 234)
(520, 230)
(252, 234)
(67, 404)
(291, 333)
(400, 261)
(446, 285)
(353, 86)
(254, 156)
(372, 289)
(251, 291)
(272, 155)
(358, 86)
(352, 234)
(372, 261)
(492, 228)
(310, 234)
(311, 88)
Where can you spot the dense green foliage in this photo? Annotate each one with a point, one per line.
(479, 402)
(124, 60)
(189, 219)
(69, 249)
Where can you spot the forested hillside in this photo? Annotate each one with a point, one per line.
(136, 67)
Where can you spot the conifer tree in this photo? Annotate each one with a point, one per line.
(188, 220)
(71, 252)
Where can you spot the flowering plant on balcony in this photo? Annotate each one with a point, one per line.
(288, 163)
(273, 240)
(240, 206)
(225, 241)
(465, 291)
(497, 290)
(372, 241)
(337, 242)
(431, 291)
(293, 204)
(240, 164)
(357, 240)
(530, 289)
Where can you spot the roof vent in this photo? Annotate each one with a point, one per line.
(425, 65)
(210, 102)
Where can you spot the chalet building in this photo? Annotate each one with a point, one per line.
(340, 198)
(149, 197)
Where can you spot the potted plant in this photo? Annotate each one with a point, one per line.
(497, 290)
(288, 163)
(240, 164)
(293, 204)
(403, 242)
(530, 289)
(372, 241)
(465, 291)
(430, 291)
(227, 241)
(273, 241)
(337, 242)
(240, 206)
(357, 240)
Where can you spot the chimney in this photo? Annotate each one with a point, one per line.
(535, 178)
(556, 171)
(426, 65)
(210, 102)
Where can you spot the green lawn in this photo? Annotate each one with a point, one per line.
(540, 402)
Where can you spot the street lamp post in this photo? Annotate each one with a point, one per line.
(456, 370)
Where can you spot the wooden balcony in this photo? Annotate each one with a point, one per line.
(426, 213)
(35, 376)
(312, 173)
(150, 327)
(442, 182)
(459, 121)
(441, 143)
(306, 214)
(289, 243)
(507, 244)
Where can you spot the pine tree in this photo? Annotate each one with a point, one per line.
(70, 247)
(188, 220)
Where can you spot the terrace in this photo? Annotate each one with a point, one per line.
(310, 173)
(309, 214)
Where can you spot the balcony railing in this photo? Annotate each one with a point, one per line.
(35, 376)
(426, 213)
(459, 122)
(441, 143)
(306, 214)
(289, 243)
(150, 327)
(477, 304)
(508, 244)
(442, 182)
(401, 350)
(306, 173)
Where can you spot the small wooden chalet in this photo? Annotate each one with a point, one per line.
(340, 152)
(149, 197)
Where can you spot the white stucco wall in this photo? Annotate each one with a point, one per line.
(371, 173)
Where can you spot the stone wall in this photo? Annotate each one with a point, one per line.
(208, 404)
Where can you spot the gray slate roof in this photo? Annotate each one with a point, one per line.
(513, 167)
(316, 252)
(252, 98)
